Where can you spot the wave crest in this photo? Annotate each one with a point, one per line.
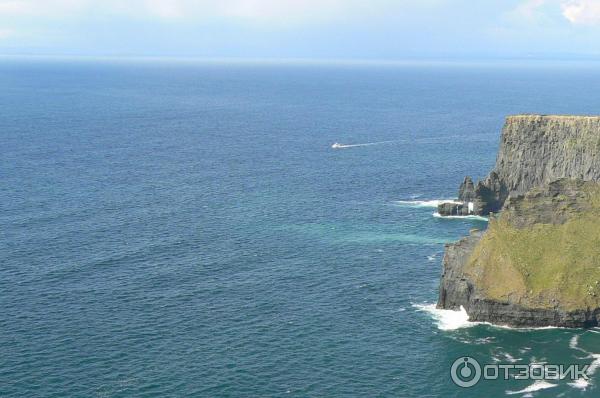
(447, 319)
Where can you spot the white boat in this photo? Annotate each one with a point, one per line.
(336, 145)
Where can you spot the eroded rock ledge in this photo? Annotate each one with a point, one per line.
(534, 150)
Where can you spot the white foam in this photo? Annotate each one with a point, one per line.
(594, 365)
(538, 385)
(431, 258)
(452, 320)
(574, 345)
(574, 342)
(523, 328)
(426, 203)
(581, 384)
(470, 217)
(447, 319)
(510, 358)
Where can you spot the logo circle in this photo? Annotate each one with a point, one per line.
(465, 372)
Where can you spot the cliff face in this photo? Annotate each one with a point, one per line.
(536, 150)
(536, 265)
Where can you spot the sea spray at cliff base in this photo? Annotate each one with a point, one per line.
(446, 319)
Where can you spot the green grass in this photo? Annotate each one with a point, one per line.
(542, 265)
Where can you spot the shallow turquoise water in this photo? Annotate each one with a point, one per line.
(173, 230)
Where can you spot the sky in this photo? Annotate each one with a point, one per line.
(306, 29)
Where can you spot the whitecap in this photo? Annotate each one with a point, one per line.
(538, 385)
(510, 358)
(594, 365)
(573, 343)
(581, 384)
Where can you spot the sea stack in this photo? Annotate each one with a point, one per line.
(538, 263)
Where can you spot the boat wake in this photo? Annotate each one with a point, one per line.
(337, 145)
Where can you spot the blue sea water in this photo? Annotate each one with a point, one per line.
(186, 229)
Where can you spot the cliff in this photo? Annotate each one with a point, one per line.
(538, 262)
(534, 150)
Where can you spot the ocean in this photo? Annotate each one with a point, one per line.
(187, 229)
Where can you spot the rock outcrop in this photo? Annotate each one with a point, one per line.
(536, 150)
(538, 263)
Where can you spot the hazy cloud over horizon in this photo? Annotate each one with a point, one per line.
(382, 29)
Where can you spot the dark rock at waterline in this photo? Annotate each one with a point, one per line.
(453, 209)
(457, 290)
(536, 150)
(537, 266)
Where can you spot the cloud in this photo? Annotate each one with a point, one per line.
(577, 12)
(529, 9)
(582, 12)
(47, 8)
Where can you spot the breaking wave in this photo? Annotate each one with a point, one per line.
(538, 385)
(583, 384)
(452, 320)
(447, 319)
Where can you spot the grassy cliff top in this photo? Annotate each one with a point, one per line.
(548, 260)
